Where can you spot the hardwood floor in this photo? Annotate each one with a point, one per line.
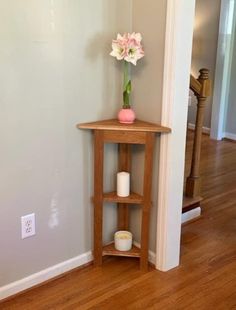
(206, 278)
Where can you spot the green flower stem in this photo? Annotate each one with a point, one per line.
(126, 86)
(126, 73)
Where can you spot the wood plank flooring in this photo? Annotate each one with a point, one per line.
(206, 278)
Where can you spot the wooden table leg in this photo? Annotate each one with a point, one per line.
(124, 165)
(147, 187)
(98, 195)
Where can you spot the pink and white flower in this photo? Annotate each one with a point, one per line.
(128, 47)
(119, 47)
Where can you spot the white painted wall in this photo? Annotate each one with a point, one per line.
(55, 71)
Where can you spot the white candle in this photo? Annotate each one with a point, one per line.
(123, 184)
(123, 240)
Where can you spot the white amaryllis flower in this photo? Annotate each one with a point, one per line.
(128, 47)
(135, 50)
(119, 48)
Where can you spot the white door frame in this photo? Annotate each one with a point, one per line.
(177, 64)
(222, 72)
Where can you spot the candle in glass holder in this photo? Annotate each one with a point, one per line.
(123, 184)
(123, 240)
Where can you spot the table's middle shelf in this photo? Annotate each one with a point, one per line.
(133, 198)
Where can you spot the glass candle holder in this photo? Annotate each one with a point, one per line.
(123, 240)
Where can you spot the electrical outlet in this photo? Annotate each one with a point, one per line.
(27, 226)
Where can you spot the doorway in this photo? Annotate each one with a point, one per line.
(214, 48)
(224, 105)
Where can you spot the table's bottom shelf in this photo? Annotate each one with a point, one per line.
(110, 250)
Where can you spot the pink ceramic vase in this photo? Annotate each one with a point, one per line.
(126, 116)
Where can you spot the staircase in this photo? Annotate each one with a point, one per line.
(201, 88)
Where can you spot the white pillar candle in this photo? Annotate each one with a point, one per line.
(123, 184)
(123, 240)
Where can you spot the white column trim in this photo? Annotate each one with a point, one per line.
(178, 48)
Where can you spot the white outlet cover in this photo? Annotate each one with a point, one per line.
(27, 226)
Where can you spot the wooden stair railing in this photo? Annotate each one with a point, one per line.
(201, 88)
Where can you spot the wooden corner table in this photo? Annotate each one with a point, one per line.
(111, 131)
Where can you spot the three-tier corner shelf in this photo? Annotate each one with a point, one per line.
(111, 131)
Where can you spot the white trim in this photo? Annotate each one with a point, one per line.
(179, 32)
(191, 215)
(205, 130)
(44, 275)
(228, 135)
(54, 271)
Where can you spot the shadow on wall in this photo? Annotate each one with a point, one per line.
(99, 47)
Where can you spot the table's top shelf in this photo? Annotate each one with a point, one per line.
(113, 124)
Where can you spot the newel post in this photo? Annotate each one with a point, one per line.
(194, 179)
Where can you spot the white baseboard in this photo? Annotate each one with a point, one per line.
(151, 255)
(190, 215)
(205, 130)
(230, 136)
(52, 272)
(44, 275)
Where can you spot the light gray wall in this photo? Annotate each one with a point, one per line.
(149, 19)
(205, 39)
(55, 72)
